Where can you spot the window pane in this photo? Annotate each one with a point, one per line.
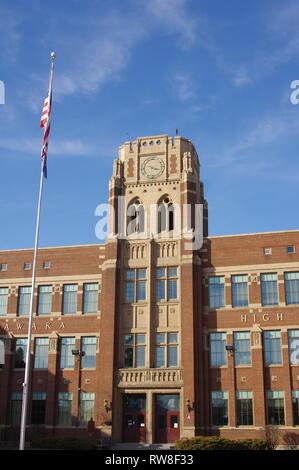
(3, 300)
(216, 292)
(141, 290)
(292, 288)
(239, 291)
(160, 356)
(89, 348)
(86, 408)
(41, 353)
(269, 289)
(294, 346)
(172, 288)
(140, 356)
(129, 291)
(160, 290)
(272, 347)
(242, 348)
(20, 353)
(67, 359)
(44, 300)
(70, 298)
(24, 301)
(217, 349)
(90, 298)
(172, 356)
(64, 414)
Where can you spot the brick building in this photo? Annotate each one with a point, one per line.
(150, 335)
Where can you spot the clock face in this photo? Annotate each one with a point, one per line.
(152, 167)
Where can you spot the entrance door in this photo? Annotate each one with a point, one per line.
(167, 417)
(134, 418)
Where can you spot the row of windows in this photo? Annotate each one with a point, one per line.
(67, 358)
(26, 266)
(242, 348)
(166, 350)
(63, 407)
(244, 408)
(166, 284)
(239, 290)
(44, 299)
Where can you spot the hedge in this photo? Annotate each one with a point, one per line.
(220, 443)
(63, 443)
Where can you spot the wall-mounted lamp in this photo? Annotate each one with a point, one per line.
(189, 405)
(77, 352)
(230, 348)
(107, 406)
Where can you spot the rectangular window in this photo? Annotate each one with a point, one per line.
(3, 300)
(16, 408)
(64, 409)
(20, 353)
(244, 408)
(275, 407)
(217, 349)
(38, 408)
(293, 336)
(242, 348)
(46, 264)
(135, 285)
(272, 347)
(134, 350)
(89, 347)
(86, 407)
(239, 291)
(24, 301)
(41, 353)
(27, 266)
(166, 284)
(69, 299)
(292, 287)
(166, 350)
(216, 292)
(67, 360)
(295, 402)
(90, 298)
(291, 249)
(3, 267)
(219, 408)
(269, 289)
(44, 306)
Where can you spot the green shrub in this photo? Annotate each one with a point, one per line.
(63, 443)
(220, 443)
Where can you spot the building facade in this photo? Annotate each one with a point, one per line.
(161, 332)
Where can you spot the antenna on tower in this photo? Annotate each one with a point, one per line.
(176, 132)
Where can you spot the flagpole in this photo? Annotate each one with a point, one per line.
(28, 356)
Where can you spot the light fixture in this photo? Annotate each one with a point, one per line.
(106, 405)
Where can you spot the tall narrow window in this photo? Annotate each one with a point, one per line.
(20, 353)
(239, 291)
(166, 350)
(16, 408)
(41, 353)
(242, 348)
(90, 298)
(294, 346)
(64, 409)
(38, 408)
(219, 408)
(86, 407)
(167, 284)
(275, 407)
(272, 347)
(295, 402)
(216, 292)
(269, 289)
(3, 300)
(69, 298)
(88, 346)
(292, 287)
(244, 408)
(165, 215)
(134, 350)
(217, 349)
(135, 218)
(44, 300)
(24, 301)
(135, 285)
(66, 356)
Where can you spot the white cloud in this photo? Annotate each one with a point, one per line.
(68, 147)
(184, 87)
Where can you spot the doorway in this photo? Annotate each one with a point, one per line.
(167, 418)
(134, 417)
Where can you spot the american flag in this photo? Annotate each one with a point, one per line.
(45, 125)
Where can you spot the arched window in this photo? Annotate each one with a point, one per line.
(165, 215)
(135, 217)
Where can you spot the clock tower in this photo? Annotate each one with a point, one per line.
(152, 319)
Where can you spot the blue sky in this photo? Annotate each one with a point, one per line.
(218, 71)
